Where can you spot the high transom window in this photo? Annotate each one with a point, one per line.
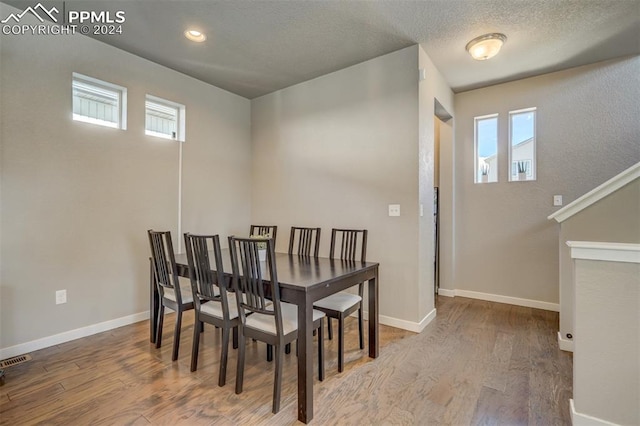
(164, 119)
(98, 102)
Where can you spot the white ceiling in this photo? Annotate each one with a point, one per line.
(255, 47)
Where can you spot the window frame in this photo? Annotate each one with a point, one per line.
(532, 171)
(121, 101)
(180, 132)
(476, 120)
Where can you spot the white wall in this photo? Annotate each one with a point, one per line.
(77, 199)
(587, 132)
(334, 152)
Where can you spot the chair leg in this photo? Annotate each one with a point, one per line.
(329, 328)
(201, 326)
(340, 344)
(321, 351)
(196, 347)
(240, 368)
(269, 353)
(176, 336)
(159, 327)
(277, 382)
(235, 337)
(222, 374)
(361, 327)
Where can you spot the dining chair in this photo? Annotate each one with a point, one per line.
(303, 240)
(262, 230)
(271, 321)
(210, 296)
(347, 245)
(271, 231)
(173, 294)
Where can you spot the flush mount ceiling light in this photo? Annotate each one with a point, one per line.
(195, 35)
(486, 46)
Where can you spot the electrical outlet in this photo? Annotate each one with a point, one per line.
(61, 297)
(557, 200)
(394, 209)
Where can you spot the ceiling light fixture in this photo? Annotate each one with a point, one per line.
(486, 46)
(195, 35)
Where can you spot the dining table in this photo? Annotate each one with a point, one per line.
(303, 280)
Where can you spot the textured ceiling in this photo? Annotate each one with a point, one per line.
(255, 47)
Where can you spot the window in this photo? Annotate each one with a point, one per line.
(522, 144)
(99, 102)
(164, 119)
(521, 166)
(486, 148)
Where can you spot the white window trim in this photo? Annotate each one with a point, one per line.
(181, 122)
(534, 161)
(122, 102)
(475, 145)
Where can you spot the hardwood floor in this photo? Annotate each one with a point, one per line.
(476, 363)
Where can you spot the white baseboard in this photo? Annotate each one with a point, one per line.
(427, 320)
(67, 336)
(565, 344)
(579, 419)
(446, 292)
(529, 303)
(78, 333)
(416, 327)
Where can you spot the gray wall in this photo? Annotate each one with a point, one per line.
(77, 199)
(432, 88)
(606, 373)
(587, 132)
(615, 218)
(447, 205)
(334, 152)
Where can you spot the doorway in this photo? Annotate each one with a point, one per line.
(443, 207)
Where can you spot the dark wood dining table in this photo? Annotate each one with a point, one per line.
(304, 280)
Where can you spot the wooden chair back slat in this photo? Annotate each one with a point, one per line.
(261, 230)
(303, 240)
(163, 258)
(352, 244)
(255, 281)
(205, 277)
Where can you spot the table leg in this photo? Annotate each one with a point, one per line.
(374, 344)
(305, 360)
(154, 303)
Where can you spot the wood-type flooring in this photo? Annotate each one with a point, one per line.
(477, 363)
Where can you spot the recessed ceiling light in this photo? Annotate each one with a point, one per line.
(486, 46)
(195, 35)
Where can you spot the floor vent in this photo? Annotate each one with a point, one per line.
(14, 361)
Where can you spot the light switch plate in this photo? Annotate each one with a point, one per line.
(61, 297)
(394, 209)
(557, 200)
